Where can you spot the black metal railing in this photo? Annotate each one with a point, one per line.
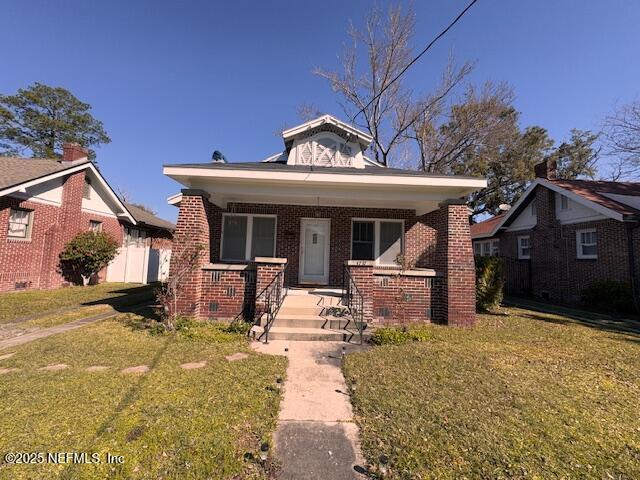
(271, 298)
(353, 299)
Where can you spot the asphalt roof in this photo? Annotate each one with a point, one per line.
(283, 167)
(148, 218)
(17, 170)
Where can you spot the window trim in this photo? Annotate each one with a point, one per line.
(249, 239)
(579, 245)
(87, 187)
(494, 247)
(566, 202)
(376, 237)
(29, 229)
(521, 256)
(100, 223)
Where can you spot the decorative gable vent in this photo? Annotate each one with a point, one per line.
(325, 151)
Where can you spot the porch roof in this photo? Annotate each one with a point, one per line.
(278, 183)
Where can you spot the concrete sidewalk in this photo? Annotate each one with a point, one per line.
(316, 437)
(47, 332)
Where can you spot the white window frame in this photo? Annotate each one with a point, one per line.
(486, 248)
(249, 239)
(564, 202)
(579, 244)
(532, 208)
(29, 224)
(522, 256)
(98, 223)
(376, 237)
(495, 248)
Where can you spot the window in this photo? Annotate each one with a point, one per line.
(486, 248)
(564, 202)
(587, 244)
(95, 226)
(20, 223)
(86, 191)
(134, 236)
(533, 208)
(245, 237)
(379, 240)
(524, 247)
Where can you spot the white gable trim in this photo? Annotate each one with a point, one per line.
(607, 212)
(67, 171)
(362, 136)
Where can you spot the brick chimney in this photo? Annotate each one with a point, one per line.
(546, 169)
(73, 151)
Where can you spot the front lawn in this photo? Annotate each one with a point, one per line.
(167, 423)
(524, 395)
(18, 305)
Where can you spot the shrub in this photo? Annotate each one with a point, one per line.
(609, 295)
(489, 283)
(400, 335)
(87, 253)
(209, 331)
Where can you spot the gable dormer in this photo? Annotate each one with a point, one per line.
(326, 142)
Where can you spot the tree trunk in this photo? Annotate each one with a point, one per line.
(85, 280)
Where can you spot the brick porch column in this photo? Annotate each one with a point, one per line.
(457, 304)
(362, 273)
(192, 234)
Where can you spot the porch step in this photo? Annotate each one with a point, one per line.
(309, 321)
(294, 310)
(306, 334)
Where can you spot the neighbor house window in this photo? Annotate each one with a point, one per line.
(95, 226)
(134, 236)
(86, 191)
(587, 243)
(533, 208)
(486, 248)
(379, 240)
(564, 202)
(245, 237)
(20, 223)
(524, 247)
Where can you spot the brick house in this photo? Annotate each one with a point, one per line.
(326, 215)
(46, 202)
(563, 235)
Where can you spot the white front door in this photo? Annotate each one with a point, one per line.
(314, 250)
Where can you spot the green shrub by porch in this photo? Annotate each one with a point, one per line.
(609, 295)
(400, 335)
(489, 282)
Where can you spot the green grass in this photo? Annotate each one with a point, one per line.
(16, 305)
(167, 423)
(525, 395)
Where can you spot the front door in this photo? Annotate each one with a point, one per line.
(314, 250)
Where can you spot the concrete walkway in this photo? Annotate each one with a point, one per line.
(47, 332)
(316, 437)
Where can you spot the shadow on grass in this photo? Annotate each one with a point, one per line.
(130, 299)
(128, 399)
(588, 319)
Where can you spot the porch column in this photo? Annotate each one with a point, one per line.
(361, 272)
(190, 251)
(455, 258)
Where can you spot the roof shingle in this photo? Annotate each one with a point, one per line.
(16, 170)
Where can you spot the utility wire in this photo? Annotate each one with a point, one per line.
(394, 79)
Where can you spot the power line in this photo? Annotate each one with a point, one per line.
(440, 35)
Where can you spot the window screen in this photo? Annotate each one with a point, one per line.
(363, 241)
(390, 241)
(234, 237)
(263, 237)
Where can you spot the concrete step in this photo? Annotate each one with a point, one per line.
(293, 310)
(306, 334)
(310, 321)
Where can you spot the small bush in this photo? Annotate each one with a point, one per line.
(400, 335)
(609, 295)
(209, 331)
(489, 283)
(86, 254)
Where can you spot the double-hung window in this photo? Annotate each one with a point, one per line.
(587, 244)
(379, 240)
(95, 226)
(20, 223)
(524, 247)
(245, 237)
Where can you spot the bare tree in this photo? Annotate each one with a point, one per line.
(621, 137)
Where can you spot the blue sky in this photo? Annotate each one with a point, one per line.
(172, 81)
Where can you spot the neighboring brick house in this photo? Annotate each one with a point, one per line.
(563, 235)
(325, 213)
(44, 203)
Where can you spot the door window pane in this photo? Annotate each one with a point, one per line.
(390, 241)
(363, 241)
(263, 237)
(234, 239)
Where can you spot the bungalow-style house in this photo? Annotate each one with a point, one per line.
(563, 235)
(45, 202)
(325, 215)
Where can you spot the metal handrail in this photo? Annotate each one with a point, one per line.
(353, 299)
(274, 294)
